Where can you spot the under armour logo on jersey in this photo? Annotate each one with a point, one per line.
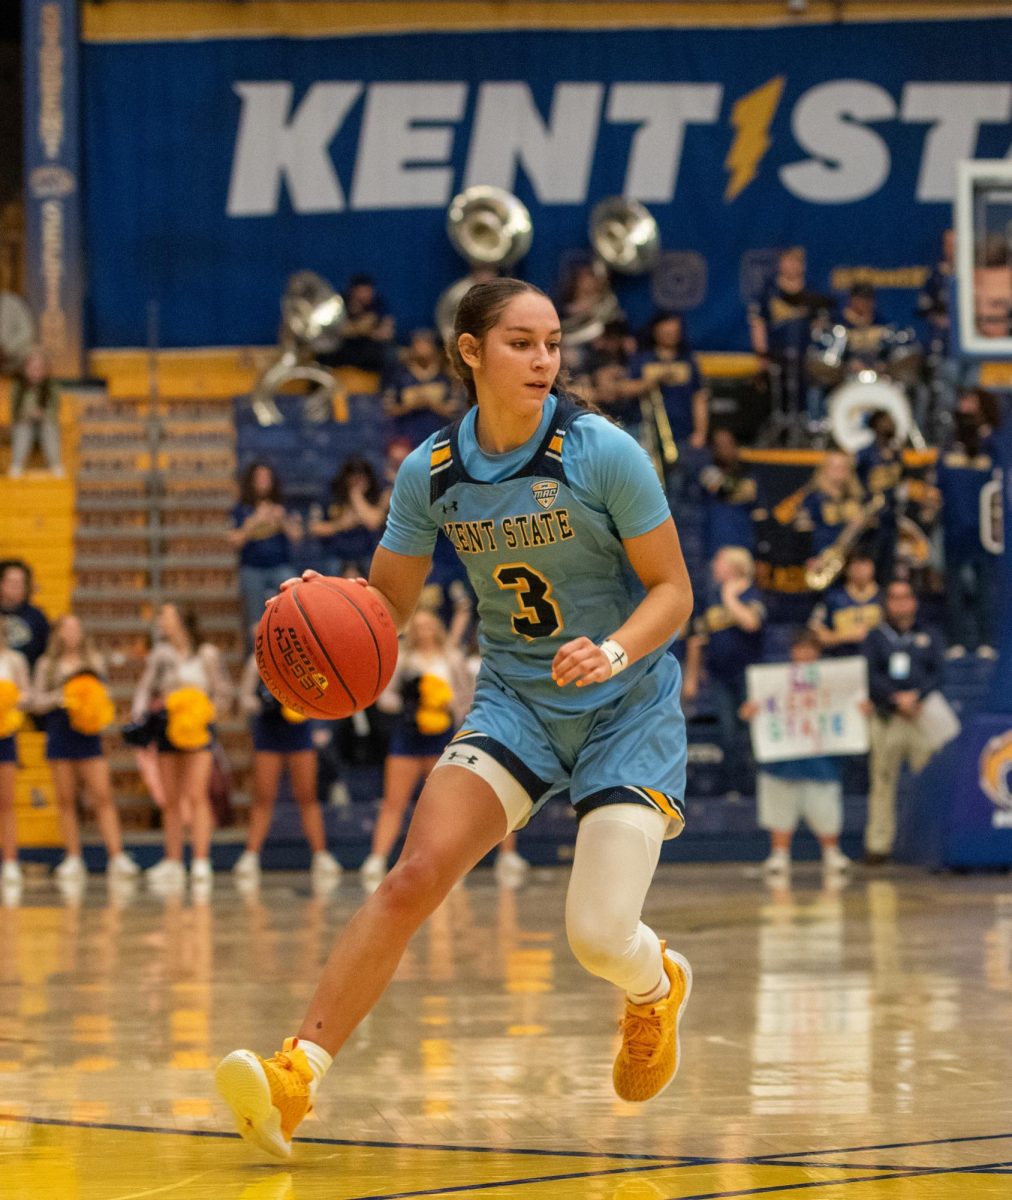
(545, 491)
(449, 508)
(470, 759)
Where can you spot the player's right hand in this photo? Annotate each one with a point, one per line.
(303, 578)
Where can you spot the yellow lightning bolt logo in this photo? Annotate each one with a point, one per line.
(751, 117)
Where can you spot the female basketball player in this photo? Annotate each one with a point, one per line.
(76, 758)
(570, 547)
(184, 666)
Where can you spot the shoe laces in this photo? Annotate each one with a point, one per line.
(641, 1033)
(294, 1061)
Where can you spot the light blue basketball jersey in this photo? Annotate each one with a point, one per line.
(540, 532)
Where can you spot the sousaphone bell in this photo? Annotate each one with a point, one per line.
(491, 229)
(625, 239)
(312, 319)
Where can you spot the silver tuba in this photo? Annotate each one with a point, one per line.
(625, 239)
(491, 229)
(312, 318)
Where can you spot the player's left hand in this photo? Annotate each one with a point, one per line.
(580, 661)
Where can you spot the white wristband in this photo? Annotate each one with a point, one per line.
(616, 655)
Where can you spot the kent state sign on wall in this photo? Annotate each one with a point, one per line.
(215, 167)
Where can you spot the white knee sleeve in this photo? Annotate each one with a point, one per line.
(617, 848)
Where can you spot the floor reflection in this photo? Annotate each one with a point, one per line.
(872, 1015)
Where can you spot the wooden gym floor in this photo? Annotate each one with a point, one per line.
(848, 1043)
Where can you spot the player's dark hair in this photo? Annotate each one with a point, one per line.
(191, 623)
(806, 637)
(247, 493)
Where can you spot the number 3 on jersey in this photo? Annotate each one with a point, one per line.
(538, 615)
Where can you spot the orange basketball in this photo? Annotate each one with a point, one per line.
(326, 647)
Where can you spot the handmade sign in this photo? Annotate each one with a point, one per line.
(809, 709)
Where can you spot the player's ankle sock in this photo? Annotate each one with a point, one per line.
(318, 1058)
(651, 997)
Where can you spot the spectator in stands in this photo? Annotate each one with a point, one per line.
(368, 335)
(585, 299)
(26, 627)
(847, 613)
(181, 675)
(835, 498)
(282, 741)
(614, 346)
(607, 387)
(727, 637)
(74, 747)
(933, 298)
(264, 532)
(422, 397)
(881, 473)
(866, 331)
(963, 470)
(398, 449)
(35, 414)
(15, 688)
(731, 500)
(904, 666)
(667, 363)
(350, 526)
(793, 789)
(780, 325)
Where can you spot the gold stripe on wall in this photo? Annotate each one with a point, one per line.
(188, 20)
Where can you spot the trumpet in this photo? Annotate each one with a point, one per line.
(659, 440)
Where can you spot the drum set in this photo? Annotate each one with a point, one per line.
(827, 393)
(860, 375)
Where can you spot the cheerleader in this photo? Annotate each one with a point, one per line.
(69, 695)
(183, 687)
(14, 696)
(282, 740)
(428, 692)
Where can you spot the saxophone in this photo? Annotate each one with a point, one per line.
(827, 565)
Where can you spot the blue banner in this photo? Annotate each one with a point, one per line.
(52, 179)
(216, 167)
(1000, 699)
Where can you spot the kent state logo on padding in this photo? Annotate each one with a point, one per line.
(996, 770)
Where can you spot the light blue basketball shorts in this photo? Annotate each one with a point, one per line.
(630, 751)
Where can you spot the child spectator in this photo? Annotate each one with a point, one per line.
(799, 788)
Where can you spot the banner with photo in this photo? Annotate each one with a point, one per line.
(54, 266)
(809, 709)
(219, 162)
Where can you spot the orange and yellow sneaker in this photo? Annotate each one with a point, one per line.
(268, 1096)
(648, 1057)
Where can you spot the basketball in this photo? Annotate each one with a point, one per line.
(326, 647)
